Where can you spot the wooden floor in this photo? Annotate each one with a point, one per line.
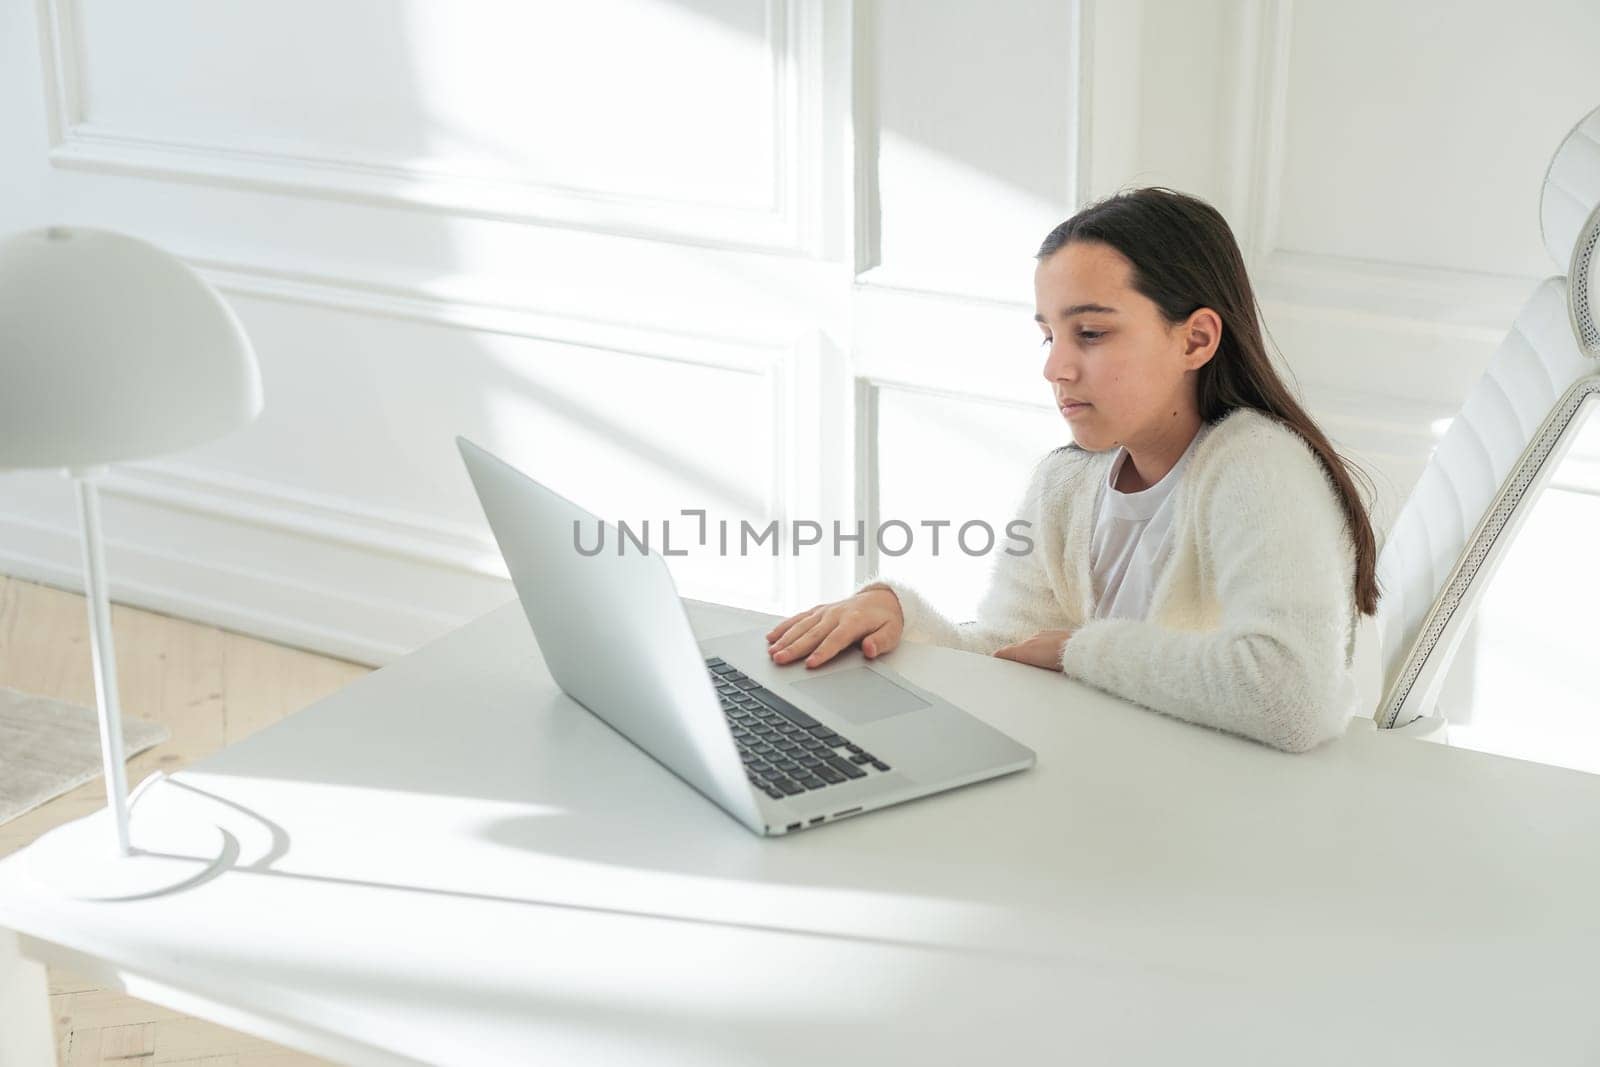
(210, 688)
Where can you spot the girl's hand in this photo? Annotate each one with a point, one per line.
(872, 617)
(1043, 649)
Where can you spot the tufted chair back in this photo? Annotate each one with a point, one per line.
(1515, 426)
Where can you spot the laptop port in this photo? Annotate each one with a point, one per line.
(792, 826)
(818, 819)
(847, 811)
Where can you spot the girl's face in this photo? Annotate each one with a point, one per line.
(1121, 374)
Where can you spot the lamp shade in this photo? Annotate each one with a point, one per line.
(112, 350)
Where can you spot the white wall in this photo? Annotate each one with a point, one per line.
(770, 259)
(610, 241)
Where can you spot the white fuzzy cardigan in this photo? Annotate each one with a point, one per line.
(1253, 620)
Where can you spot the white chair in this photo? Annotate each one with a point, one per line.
(1515, 426)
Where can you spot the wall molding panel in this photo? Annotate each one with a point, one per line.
(779, 364)
(1384, 348)
(792, 223)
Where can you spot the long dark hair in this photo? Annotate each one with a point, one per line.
(1184, 258)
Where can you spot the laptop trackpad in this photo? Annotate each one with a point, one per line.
(860, 695)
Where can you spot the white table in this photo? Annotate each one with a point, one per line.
(451, 862)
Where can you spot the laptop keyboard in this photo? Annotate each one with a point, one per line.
(785, 751)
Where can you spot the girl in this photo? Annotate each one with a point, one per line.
(1200, 548)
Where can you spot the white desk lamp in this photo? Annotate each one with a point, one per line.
(110, 350)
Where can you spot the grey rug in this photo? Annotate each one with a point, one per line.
(48, 747)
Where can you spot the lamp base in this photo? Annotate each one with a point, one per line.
(171, 849)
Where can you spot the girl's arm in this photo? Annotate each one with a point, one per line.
(1018, 600)
(1275, 668)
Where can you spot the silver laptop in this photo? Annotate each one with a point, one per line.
(780, 748)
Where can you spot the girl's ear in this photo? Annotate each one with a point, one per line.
(1202, 333)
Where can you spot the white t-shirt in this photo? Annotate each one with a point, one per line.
(1133, 538)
